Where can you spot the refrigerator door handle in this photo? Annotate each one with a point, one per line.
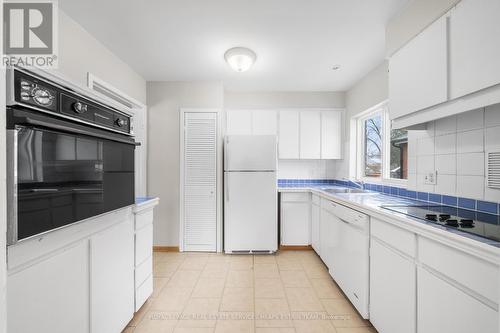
(226, 186)
(226, 154)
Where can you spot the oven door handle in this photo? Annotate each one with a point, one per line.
(61, 127)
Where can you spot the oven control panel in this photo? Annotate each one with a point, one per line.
(31, 91)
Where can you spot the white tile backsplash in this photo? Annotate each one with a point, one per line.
(446, 125)
(304, 169)
(425, 164)
(470, 164)
(446, 184)
(446, 164)
(470, 120)
(455, 148)
(446, 144)
(492, 138)
(425, 146)
(470, 187)
(470, 141)
(492, 115)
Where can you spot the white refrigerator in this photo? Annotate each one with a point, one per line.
(250, 194)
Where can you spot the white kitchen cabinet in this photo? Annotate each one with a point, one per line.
(295, 219)
(112, 276)
(331, 134)
(315, 224)
(143, 271)
(264, 122)
(418, 72)
(289, 134)
(238, 122)
(251, 122)
(474, 46)
(310, 135)
(51, 295)
(392, 290)
(442, 307)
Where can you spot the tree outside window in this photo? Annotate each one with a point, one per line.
(376, 144)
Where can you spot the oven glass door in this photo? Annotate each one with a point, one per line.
(64, 178)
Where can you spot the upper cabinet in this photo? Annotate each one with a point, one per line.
(331, 134)
(251, 122)
(418, 72)
(302, 133)
(289, 126)
(452, 66)
(239, 122)
(310, 135)
(264, 122)
(474, 46)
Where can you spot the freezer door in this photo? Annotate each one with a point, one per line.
(250, 212)
(250, 152)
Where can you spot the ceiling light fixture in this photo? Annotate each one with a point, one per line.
(335, 67)
(240, 58)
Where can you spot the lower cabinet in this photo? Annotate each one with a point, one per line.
(143, 254)
(295, 219)
(315, 224)
(443, 308)
(51, 295)
(112, 278)
(392, 290)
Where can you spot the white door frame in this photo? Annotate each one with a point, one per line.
(219, 171)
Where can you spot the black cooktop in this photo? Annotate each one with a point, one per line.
(468, 221)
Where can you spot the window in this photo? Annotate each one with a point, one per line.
(373, 146)
(382, 151)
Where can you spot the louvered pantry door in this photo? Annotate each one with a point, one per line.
(200, 181)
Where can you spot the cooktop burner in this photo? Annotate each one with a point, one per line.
(476, 223)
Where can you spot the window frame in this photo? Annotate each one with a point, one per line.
(385, 176)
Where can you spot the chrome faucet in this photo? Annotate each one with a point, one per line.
(359, 184)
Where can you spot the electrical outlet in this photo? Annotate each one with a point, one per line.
(430, 178)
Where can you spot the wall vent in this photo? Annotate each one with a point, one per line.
(493, 168)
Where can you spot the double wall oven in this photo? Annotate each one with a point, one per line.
(69, 156)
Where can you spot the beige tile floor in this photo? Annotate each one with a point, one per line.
(204, 292)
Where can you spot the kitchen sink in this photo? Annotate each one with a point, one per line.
(348, 190)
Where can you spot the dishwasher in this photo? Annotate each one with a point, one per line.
(349, 256)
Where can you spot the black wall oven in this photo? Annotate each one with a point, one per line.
(69, 157)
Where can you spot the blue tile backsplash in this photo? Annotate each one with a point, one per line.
(476, 205)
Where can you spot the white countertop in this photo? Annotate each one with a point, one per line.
(370, 205)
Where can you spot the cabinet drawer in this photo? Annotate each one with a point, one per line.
(143, 292)
(143, 271)
(472, 272)
(316, 199)
(295, 197)
(143, 244)
(144, 218)
(398, 238)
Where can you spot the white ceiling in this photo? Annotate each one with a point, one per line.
(297, 41)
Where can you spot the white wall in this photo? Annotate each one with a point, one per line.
(164, 100)
(368, 92)
(414, 18)
(291, 169)
(80, 53)
(455, 147)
